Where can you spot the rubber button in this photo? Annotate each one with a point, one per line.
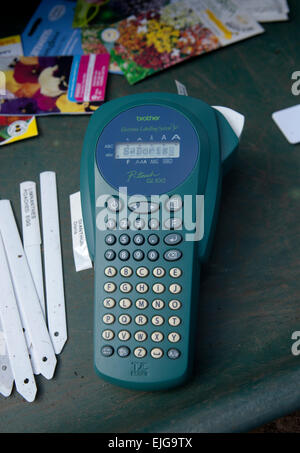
(139, 239)
(174, 203)
(138, 255)
(124, 239)
(172, 255)
(110, 239)
(113, 204)
(173, 239)
(124, 255)
(107, 351)
(173, 354)
(123, 351)
(153, 255)
(109, 255)
(153, 239)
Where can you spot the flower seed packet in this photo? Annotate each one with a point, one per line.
(39, 86)
(105, 12)
(89, 13)
(15, 128)
(49, 31)
(92, 43)
(144, 44)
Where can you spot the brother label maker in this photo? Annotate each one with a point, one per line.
(146, 271)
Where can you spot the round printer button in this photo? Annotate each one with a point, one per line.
(173, 353)
(123, 351)
(107, 351)
(113, 204)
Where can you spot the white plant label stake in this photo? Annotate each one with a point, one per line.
(32, 236)
(15, 339)
(32, 318)
(55, 298)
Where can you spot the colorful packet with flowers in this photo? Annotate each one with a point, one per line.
(39, 86)
(13, 128)
(144, 44)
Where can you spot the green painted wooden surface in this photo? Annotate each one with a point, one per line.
(245, 374)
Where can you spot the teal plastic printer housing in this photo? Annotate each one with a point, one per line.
(201, 143)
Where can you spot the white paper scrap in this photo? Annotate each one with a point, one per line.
(181, 88)
(288, 121)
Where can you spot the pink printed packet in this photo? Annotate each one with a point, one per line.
(88, 78)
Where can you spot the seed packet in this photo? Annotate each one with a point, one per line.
(88, 78)
(105, 12)
(89, 13)
(144, 44)
(39, 86)
(92, 44)
(49, 31)
(13, 129)
(266, 11)
(226, 19)
(11, 45)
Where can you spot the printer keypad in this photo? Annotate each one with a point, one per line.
(143, 327)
